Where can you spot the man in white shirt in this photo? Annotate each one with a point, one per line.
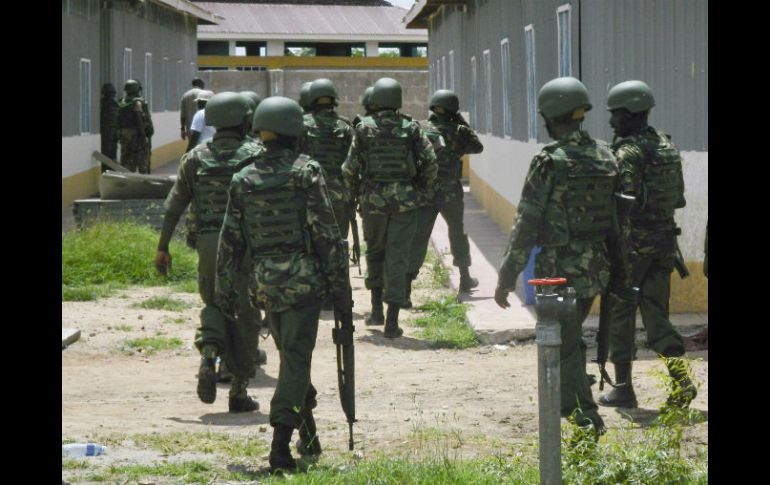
(200, 132)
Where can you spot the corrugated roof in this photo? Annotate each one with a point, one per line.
(243, 18)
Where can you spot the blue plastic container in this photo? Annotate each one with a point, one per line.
(528, 274)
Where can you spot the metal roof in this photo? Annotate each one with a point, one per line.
(267, 21)
(204, 16)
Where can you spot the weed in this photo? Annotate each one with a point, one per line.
(163, 303)
(444, 324)
(150, 345)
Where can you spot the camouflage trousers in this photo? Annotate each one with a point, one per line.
(652, 274)
(388, 246)
(342, 211)
(294, 332)
(452, 212)
(134, 151)
(575, 389)
(237, 340)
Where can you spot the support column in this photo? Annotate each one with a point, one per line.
(275, 48)
(372, 48)
(231, 48)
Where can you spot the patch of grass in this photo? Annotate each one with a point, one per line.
(151, 345)
(174, 320)
(123, 327)
(444, 324)
(439, 274)
(199, 472)
(70, 464)
(163, 303)
(186, 286)
(203, 442)
(118, 253)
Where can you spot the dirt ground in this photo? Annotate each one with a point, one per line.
(485, 396)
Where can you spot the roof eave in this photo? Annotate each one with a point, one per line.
(418, 17)
(204, 16)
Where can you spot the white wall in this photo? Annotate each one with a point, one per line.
(693, 217)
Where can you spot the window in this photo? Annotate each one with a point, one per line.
(128, 67)
(179, 89)
(505, 54)
(474, 91)
(438, 74)
(166, 83)
(529, 41)
(563, 15)
(443, 72)
(486, 62)
(193, 71)
(85, 96)
(148, 79)
(452, 70)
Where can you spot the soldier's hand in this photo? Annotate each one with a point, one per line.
(184, 134)
(163, 262)
(501, 297)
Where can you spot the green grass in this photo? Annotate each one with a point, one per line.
(123, 327)
(439, 274)
(110, 255)
(174, 320)
(70, 464)
(195, 471)
(163, 303)
(444, 324)
(186, 286)
(151, 345)
(203, 442)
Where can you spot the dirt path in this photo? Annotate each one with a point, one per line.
(482, 398)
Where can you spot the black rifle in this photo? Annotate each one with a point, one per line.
(609, 298)
(342, 335)
(355, 256)
(681, 268)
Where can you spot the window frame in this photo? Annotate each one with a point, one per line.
(564, 11)
(147, 88)
(486, 67)
(474, 91)
(505, 68)
(84, 111)
(128, 68)
(531, 66)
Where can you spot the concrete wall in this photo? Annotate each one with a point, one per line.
(350, 85)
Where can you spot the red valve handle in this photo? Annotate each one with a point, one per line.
(548, 281)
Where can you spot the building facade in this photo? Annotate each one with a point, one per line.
(496, 54)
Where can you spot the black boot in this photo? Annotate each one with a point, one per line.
(621, 396)
(466, 282)
(239, 401)
(308, 444)
(207, 377)
(280, 455)
(392, 330)
(684, 391)
(409, 279)
(376, 318)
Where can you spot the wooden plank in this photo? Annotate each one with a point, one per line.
(101, 157)
(68, 336)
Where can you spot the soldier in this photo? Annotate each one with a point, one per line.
(203, 180)
(188, 107)
(391, 169)
(278, 208)
(326, 138)
(567, 208)
(452, 138)
(134, 126)
(304, 97)
(199, 131)
(650, 170)
(108, 123)
(254, 100)
(366, 103)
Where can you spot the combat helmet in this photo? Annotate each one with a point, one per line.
(446, 99)
(562, 96)
(635, 96)
(386, 93)
(366, 99)
(321, 87)
(132, 86)
(304, 95)
(280, 115)
(253, 97)
(227, 109)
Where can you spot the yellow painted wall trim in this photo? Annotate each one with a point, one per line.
(687, 296)
(281, 62)
(170, 152)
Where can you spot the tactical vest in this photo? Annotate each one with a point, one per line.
(274, 213)
(212, 186)
(390, 157)
(126, 117)
(662, 178)
(448, 160)
(327, 147)
(587, 185)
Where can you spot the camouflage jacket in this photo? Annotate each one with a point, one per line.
(651, 230)
(292, 278)
(390, 197)
(451, 141)
(336, 133)
(586, 265)
(224, 144)
(128, 107)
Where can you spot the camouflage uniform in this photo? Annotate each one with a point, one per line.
(451, 141)
(567, 208)
(326, 139)
(108, 126)
(651, 170)
(278, 208)
(391, 170)
(203, 179)
(134, 141)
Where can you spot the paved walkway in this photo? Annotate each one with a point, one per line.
(492, 324)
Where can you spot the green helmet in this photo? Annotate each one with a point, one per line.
(254, 99)
(386, 93)
(446, 99)
(132, 86)
(304, 95)
(279, 115)
(635, 96)
(321, 87)
(227, 109)
(562, 96)
(366, 100)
